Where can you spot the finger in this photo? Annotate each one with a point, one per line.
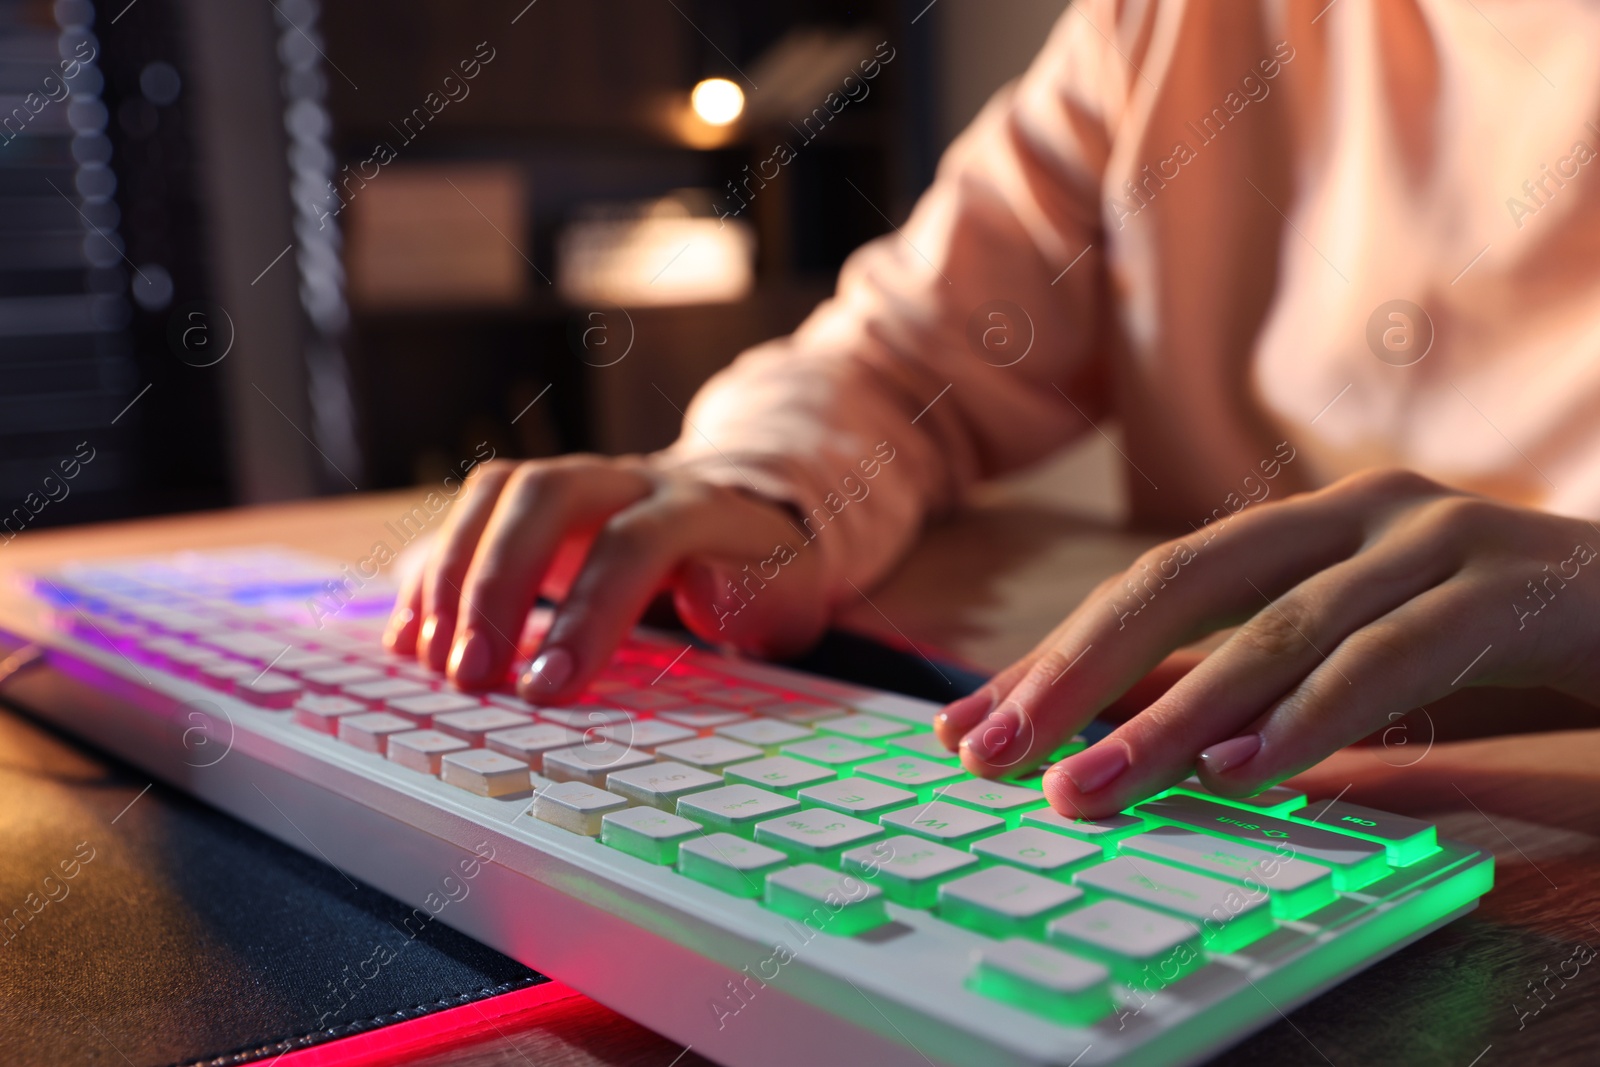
(447, 563)
(1277, 649)
(961, 716)
(540, 507)
(405, 621)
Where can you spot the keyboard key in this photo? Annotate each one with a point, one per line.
(330, 679)
(486, 773)
(511, 702)
(1229, 916)
(1406, 840)
(651, 835)
(1052, 855)
(1144, 948)
(382, 691)
(835, 752)
(709, 753)
(300, 660)
(370, 731)
(862, 727)
(227, 674)
(1004, 801)
(474, 724)
(909, 869)
(1105, 831)
(743, 696)
(1005, 902)
(576, 806)
(781, 774)
(1277, 800)
(268, 689)
(646, 699)
(646, 735)
(591, 761)
(1044, 980)
(815, 835)
(803, 712)
(944, 823)
(729, 863)
(700, 718)
(908, 772)
(424, 706)
(1355, 862)
(322, 713)
(585, 718)
(861, 797)
(421, 750)
(734, 808)
(530, 743)
(765, 734)
(924, 746)
(245, 644)
(1297, 887)
(833, 902)
(661, 785)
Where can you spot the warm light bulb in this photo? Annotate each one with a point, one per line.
(717, 101)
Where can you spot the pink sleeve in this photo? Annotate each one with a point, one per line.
(903, 389)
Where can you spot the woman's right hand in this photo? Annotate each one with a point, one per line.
(602, 536)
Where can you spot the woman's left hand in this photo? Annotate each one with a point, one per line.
(1355, 604)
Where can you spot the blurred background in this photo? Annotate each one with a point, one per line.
(254, 250)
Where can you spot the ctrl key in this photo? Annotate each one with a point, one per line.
(1043, 980)
(576, 806)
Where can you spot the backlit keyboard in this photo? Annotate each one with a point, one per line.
(767, 866)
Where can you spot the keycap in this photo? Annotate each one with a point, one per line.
(322, 713)
(815, 835)
(743, 696)
(908, 869)
(585, 718)
(729, 863)
(369, 732)
(1105, 830)
(1276, 800)
(1053, 855)
(703, 718)
(945, 823)
(512, 702)
(646, 734)
(590, 762)
(862, 727)
(421, 750)
(1297, 887)
(647, 699)
(382, 691)
(244, 643)
(832, 902)
(1005, 902)
(908, 772)
(1146, 949)
(474, 724)
(330, 679)
(861, 797)
(803, 711)
(709, 753)
(530, 743)
(661, 785)
(225, 675)
(924, 746)
(1406, 840)
(734, 808)
(651, 835)
(268, 689)
(835, 752)
(424, 706)
(1043, 980)
(781, 774)
(484, 772)
(576, 806)
(1229, 916)
(1004, 801)
(1355, 862)
(300, 660)
(765, 734)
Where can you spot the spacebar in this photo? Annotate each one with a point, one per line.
(1355, 862)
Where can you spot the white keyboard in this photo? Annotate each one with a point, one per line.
(769, 867)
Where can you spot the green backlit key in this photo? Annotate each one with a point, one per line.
(861, 797)
(647, 833)
(993, 798)
(1297, 887)
(815, 835)
(1045, 981)
(1103, 831)
(1229, 916)
(836, 753)
(908, 772)
(1144, 948)
(1406, 840)
(1278, 800)
(909, 869)
(832, 902)
(734, 808)
(941, 822)
(729, 863)
(1005, 901)
(924, 746)
(781, 774)
(1039, 851)
(862, 727)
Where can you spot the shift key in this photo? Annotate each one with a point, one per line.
(1355, 862)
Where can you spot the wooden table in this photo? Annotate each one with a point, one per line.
(983, 587)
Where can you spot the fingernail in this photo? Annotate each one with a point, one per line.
(469, 659)
(550, 671)
(1225, 755)
(1096, 766)
(993, 734)
(960, 716)
(398, 621)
